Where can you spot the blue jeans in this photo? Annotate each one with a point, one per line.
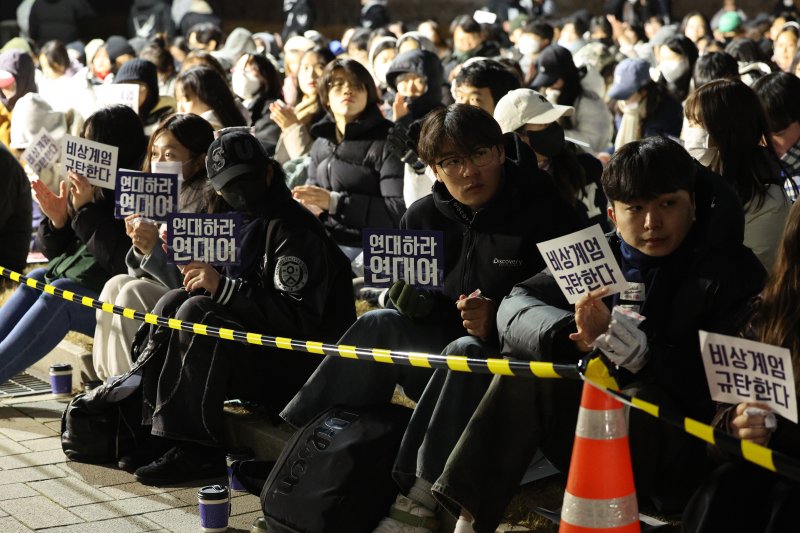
(32, 323)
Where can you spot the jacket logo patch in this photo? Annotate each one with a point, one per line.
(507, 262)
(291, 274)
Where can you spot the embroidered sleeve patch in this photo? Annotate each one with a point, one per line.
(291, 274)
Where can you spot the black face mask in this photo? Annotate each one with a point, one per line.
(246, 196)
(549, 142)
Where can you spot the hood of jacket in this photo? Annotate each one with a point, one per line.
(426, 65)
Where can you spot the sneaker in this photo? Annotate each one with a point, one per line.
(151, 449)
(259, 525)
(408, 516)
(183, 464)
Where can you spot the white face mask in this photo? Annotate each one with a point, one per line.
(528, 46)
(381, 70)
(673, 69)
(245, 85)
(695, 140)
(168, 167)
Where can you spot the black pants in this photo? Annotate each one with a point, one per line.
(190, 376)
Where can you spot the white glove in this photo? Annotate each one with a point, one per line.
(624, 343)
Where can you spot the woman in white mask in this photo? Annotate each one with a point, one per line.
(676, 59)
(727, 131)
(257, 82)
(177, 146)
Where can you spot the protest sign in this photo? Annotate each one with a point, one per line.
(42, 152)
(741, 370)
(152, 195)
(212, 239)
(97, 162)
(117, 93)
(582, 262)
(415, 256)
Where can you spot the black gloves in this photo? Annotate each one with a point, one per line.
(401, 144)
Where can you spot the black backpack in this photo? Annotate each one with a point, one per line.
(335, 474)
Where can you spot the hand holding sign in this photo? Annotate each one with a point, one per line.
(752, 422)
(198, 276)
(53, 206)
(143, 233)
(592, 318)
(312, 195)
(81, 190)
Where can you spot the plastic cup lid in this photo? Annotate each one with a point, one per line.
(60, 366)
(213, 492)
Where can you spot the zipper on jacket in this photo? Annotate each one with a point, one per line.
(468, 246)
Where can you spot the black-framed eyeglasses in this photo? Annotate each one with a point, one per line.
(454, 166)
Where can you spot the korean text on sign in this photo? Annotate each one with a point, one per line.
(212, 239)
(582, 262)
(151, 195)
(42, 152)
(741, 370)
(94, 161)
(415, 256)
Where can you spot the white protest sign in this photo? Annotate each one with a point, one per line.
(97, 162)
(741, 370)
(117, 93)
(42, 152)
(582, 262)
(482, 16)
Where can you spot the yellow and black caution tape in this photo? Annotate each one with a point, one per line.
(596, 372)
(458, 363)
(749, 451)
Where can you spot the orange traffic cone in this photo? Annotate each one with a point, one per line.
(600, 494)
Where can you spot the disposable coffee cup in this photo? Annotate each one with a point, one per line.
(214, 503)
(61, 379)
(237, 455)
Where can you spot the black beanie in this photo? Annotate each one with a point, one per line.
(116, 46)
(143, 71)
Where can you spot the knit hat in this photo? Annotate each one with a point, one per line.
(116, 46)
(729, 21)
(526, 106)
(235, 154)
(141, 70)
(31, 114)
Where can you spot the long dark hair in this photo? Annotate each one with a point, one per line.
(212, 89)
(732, 115)
(271, 78)
(776, 316)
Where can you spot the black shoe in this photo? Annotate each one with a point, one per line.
(151, 449)
(183, 463)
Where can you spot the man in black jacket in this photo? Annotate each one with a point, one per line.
(492, 214)
(292, 281)
(679, 244)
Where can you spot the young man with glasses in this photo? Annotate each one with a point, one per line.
(492, 215)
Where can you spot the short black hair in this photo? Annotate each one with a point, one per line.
(541, 29)
(489, 73)
(467, 24)
(205, 32)
(715, 66)
(778, 93)
(648, 168)
(464, 126)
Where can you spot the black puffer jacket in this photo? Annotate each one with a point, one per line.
(365, 173)
(495, 247)
(15, 212)
(428, 66)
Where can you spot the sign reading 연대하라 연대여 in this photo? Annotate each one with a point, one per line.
(151, 195)
(414, 256)
(207, 238)
(741, 370)
(582, 262)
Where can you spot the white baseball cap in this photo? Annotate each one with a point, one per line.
(526, 106)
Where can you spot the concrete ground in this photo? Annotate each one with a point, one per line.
(40, 490)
